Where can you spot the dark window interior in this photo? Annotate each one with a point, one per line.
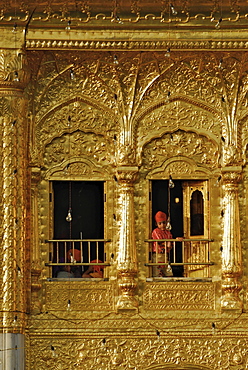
(160, 203)
(196, 214)
(85, 198)
(86, 201)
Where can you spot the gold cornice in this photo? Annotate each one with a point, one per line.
(124, 12)
(159, 45)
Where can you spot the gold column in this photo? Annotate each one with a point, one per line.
(14, 230)
(231, 253)
(127, 258)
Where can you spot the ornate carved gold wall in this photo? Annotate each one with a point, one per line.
(131, 114)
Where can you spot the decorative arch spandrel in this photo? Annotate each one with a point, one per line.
(78, 117)
(177, 115)
(62, 74)
(181, 144)
(99, 149)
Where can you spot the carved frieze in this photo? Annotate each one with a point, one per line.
(181, 296)
(120, 13)
(140, 352)
(127, 45)
(87, 296)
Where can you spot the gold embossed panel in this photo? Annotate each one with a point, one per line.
(179, 296)
(83, 296)
(140, 353)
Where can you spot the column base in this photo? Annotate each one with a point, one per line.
(127, 305)
(231, 303)
(230, 300)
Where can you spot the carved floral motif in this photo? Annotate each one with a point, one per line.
(177, 115)
(135, 94)
(97, 297)
(79, 144)
(182, 296)
(11, 62)
(180, 143)
(143, 352)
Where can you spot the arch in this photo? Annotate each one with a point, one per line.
(184, 165)
(84, 99)
(76, 169)
(183, 146)
(168, 121)
(41, 129)
(75, 147)
(183, 98)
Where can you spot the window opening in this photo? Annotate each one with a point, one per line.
(78, 229)
(187, 249)
(167, 197)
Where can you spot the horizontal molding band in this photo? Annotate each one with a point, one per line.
(39, 44)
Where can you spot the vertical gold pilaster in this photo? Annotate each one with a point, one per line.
(8, 248)
(231, 253)
(127, 259)
(14, 230)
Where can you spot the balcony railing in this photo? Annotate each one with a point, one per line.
(82, 252)
(193, 255)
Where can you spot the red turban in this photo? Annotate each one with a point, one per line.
(160, 216)
(75, 253)
(97, 268)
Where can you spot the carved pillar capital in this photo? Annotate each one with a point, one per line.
(35, 176)
(231, 154)
(15, 73)
(126, 154)
(231, 253)
(127, 175)
(231, 176)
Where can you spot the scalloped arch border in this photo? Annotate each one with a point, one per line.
(96, 171)
(197, 171)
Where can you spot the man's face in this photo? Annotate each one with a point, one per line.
(161, 225)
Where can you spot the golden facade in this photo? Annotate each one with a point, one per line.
(127, 94)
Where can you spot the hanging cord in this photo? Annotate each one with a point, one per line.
(170, 186)
(168, 225)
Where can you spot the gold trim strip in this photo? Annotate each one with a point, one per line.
(136, 45)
